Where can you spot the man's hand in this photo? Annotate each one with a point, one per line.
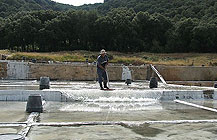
(102, 67)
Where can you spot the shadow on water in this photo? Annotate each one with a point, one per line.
(211, 129)
(144, 130)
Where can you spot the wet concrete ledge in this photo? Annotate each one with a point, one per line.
(194, 83)
(64, 96)
(22, 95)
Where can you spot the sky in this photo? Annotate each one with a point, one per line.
(79, 2)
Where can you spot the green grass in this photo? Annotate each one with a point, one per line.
(175, 59)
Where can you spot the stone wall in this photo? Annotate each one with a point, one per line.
(22, 70)
(188, 73)
(80, 72)
(62, 72)
(3, 70)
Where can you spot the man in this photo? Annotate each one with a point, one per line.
(102, 62)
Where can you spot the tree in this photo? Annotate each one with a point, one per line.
(103, 34)
(160, 30)
(122, 29)
(204, 38)
(184, 30)
(143, 26)
(26, 31)
(2, 40)
(152, 31)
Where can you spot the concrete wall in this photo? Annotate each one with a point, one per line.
(22, 70)
(17, 70)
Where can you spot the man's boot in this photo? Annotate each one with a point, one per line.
(101, 87)
(105, 85)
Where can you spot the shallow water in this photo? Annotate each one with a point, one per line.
(152, 110)
(122, 111)
(114, 110)
(145, 132)
(88, 104)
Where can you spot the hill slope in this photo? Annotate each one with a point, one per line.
(174, 9)
(201, 9)
(8, 7)
(123, 25)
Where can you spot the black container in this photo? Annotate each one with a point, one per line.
(128, 81)
(34, 104)
(44, 83)
(153, 82)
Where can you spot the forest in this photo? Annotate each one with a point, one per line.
(161, 26)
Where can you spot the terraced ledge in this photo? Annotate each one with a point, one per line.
(70, 95)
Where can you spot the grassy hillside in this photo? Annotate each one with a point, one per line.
(182, 59)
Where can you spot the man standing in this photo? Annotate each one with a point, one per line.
(102, 62)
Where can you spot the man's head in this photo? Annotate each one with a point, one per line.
(102, 52)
